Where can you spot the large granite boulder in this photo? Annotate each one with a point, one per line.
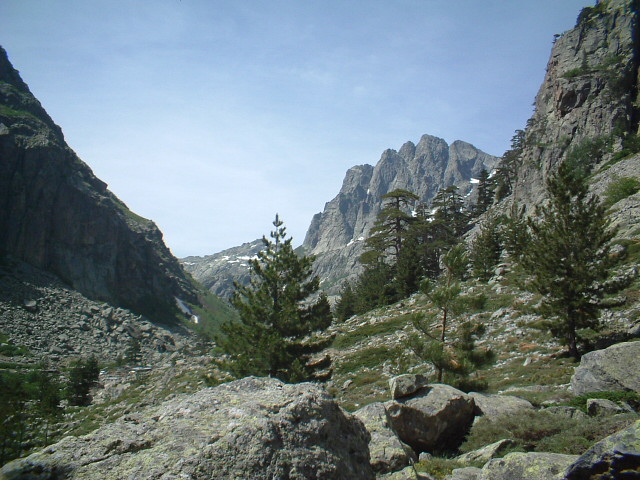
(388, 453)
(492, 406)
(435, 418)
(610, 369)
(617, 456)
(527, 466)
(256, 428)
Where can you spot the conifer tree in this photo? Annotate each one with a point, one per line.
(278, 316)
(391, 224)
(449, 216)
(485, 194)
(568, 255)
(485, 250)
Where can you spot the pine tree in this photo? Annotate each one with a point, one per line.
(445, 295)
(568, 256)
(485, 250)
(485, 194)
(278, 316)
(346, 306)
(449, 217)
(391, 224)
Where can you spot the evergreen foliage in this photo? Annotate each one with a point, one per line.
(29, 404)
(507, 170)
(485, 194)
(83, 375)
(486, 249)
(274, 335)
(391, 224)
(568, 255)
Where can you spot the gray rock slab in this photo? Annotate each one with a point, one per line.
(493, 406)
(256, 428)
(527, 466)
(617, 456)
(388, 453)
(612, 369)
(405, 385)
(436, 418)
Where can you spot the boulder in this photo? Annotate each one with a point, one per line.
(598, 407)
(493, 406)
(405, 385)
(617, 456)
(568, 412)
(258, 428)
(608, 370)
(527, 466)
(467, 473)
(408, 473)
(388, 453)
(486, 453)
(437, 418)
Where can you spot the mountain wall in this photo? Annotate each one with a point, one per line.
(336, 235)
(589, 96)
(56, 215)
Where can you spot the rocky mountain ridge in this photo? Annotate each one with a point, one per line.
(588, 102)
(56, 215)
(336, 235)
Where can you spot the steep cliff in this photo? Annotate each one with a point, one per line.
(56, 215)
(336, 235)
(588, 101)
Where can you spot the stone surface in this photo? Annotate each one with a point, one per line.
(617, 456)
(67, 324)
(257, 428)
(568, 412)
(467, 473)
(608, 370)
(486, 453)
(589, 89)
(492, 406)
(405, 385)
(527, 466)
(55, 214)
(435, 419)
(597, 407)
(388, 453)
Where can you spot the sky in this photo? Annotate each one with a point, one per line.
(211, 116)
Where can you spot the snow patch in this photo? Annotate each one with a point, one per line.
(474, 180)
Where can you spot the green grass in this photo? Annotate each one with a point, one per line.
(543, 431)
(620, 189)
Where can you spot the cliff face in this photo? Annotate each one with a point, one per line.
(336, 235)
(56, 215)
(590, 92)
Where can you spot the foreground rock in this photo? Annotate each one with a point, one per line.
(527, 466)
(617, 456)
(434, 419)
(256, 428)
(388, 453)
(608, 370)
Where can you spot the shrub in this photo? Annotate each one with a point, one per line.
(620, 189)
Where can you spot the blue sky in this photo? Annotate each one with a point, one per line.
(209, 116)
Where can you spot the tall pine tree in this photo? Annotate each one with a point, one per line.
(279, 310)
(568, 255)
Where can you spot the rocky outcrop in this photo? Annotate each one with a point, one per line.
(336, 235)
(56, 215)
(388, 453)
(608, 370)
(217, 272)
(257, 428)
(617, 456)
(590, 91)
(527, 466)
(436, 418)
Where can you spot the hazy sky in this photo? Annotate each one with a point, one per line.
(209, 116)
